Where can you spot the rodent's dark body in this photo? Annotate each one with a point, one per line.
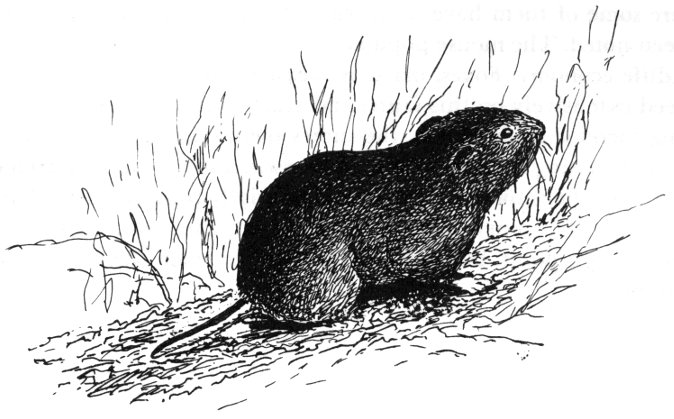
(339, 221)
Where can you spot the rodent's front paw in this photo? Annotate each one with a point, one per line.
(473, 284)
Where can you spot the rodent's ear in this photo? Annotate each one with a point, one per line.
(427, 124)
(462, 157)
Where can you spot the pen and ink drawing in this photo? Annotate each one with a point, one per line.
(414, 225)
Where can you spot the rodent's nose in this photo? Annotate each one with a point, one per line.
(538, 125)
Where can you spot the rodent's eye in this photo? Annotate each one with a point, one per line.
(505, 133)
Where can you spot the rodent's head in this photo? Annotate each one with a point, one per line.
(493, 146)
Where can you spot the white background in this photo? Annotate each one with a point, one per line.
(608, 342)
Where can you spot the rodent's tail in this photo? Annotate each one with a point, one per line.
(205, 325)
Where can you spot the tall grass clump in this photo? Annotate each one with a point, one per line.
(172, 225)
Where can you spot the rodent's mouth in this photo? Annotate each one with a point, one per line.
(539, 140)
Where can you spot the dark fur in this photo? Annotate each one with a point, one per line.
(340, 221)
(342, 224)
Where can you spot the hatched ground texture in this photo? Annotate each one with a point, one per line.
(116, 358)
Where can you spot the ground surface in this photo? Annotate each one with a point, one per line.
(116, 359)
